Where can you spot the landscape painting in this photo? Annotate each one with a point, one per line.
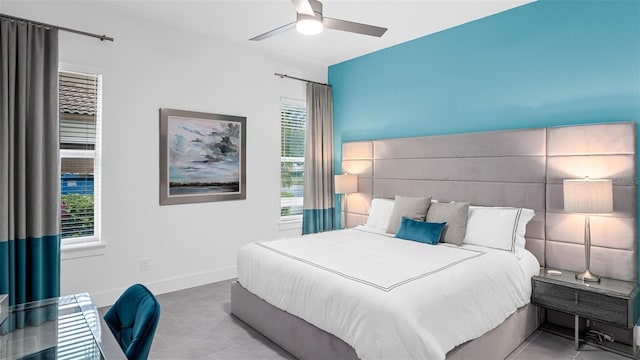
(202, 157)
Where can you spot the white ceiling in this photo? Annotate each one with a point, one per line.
(239, 20)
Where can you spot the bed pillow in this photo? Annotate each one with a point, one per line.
(379, 213)
(498, 227)
(455, 215)
(420, 231)
(525, 217)
(410, 207)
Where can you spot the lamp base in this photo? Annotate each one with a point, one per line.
(587, 276)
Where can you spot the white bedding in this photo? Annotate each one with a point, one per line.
(389, 298)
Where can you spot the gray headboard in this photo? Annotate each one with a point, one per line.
(519, 168)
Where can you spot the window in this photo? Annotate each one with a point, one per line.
(293, 116)
(80, 140)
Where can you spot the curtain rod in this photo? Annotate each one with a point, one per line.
(101, 37)
(300, 79)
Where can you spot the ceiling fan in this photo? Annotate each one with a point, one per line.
(310, 22)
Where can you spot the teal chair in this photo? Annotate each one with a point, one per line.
(133, 320)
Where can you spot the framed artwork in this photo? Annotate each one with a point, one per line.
(202, 157)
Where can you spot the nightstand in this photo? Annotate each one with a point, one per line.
(611, 301)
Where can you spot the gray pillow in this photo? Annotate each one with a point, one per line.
(410, 207)
(455, 215)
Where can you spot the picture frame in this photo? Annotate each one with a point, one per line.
(202, 157)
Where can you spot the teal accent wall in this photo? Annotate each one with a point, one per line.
(547, 63)
(543, 64)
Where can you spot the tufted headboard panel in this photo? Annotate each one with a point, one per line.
(519, 168)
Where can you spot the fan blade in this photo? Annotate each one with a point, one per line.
(303, 7)
(274, 32)
(353, 27)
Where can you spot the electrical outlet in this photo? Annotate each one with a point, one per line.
(144, 264)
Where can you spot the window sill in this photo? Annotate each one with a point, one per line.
(291, 224)
(82, 250)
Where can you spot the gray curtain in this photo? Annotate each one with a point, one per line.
(318, 212)
(29, 180)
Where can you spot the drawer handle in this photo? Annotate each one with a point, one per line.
(576, 298)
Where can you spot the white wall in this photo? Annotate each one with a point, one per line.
(150, 66)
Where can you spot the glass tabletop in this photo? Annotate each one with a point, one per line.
(60, 328)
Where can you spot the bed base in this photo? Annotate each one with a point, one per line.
(305, 341)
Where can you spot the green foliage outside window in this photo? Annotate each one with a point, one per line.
(285, 175)
(77, 215)
(285, 211)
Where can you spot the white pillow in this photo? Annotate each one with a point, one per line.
(379, 213)
(498, 227)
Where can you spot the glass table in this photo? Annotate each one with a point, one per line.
(68, 327)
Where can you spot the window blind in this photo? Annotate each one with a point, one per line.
(78, 96)
(79, 119)
(293, 115)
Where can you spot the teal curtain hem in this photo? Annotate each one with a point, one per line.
(30, 269)
(317, 220)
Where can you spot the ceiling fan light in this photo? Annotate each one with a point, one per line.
(309, 26)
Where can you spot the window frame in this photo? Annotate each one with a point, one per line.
(91, 245)
(288, 219)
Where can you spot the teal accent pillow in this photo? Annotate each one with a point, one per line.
(420, 231)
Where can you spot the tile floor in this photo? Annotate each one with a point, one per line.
(195, 324)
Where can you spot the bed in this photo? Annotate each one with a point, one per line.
(297, 296)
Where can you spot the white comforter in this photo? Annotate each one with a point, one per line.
(389, 298)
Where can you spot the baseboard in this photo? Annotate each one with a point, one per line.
(106, 298)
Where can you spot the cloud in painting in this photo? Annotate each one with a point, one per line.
(203, 151)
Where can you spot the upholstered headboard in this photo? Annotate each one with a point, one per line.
(519, 168)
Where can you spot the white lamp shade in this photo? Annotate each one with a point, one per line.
(346, 183)
(588, 196)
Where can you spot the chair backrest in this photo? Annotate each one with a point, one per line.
(133, 320)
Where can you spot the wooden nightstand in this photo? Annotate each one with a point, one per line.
(611, 301)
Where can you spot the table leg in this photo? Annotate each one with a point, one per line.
(576, 335)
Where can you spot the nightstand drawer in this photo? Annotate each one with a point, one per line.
(585, 303)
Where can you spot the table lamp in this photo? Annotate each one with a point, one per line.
(345, 184)
(588, 196)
